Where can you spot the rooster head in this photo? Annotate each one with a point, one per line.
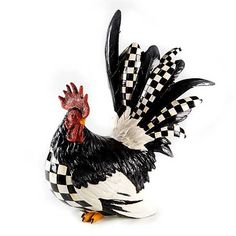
(76, 103)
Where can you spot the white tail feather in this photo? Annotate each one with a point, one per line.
(129, 133)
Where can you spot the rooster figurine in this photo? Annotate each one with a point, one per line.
(106, 175)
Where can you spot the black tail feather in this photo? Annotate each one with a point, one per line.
(180, 64)
(175, 90)
(112, 57)
(160, 145)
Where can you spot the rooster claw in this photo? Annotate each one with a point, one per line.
(91, 216)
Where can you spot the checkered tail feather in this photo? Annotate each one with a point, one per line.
(130, 72)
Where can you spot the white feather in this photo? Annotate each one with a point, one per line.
(155, 63)
(129, 133)
(110, 189)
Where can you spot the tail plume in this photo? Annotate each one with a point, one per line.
(145, 94)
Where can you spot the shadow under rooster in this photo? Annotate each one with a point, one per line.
(106, 175)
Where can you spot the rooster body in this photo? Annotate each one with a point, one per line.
(106, 175)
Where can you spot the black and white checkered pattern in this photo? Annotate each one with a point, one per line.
(131, 69)
(61, 183)
(174, 108)
(169, 55)
(152, 89)
(169, 132)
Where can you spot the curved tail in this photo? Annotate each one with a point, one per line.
(145, 94)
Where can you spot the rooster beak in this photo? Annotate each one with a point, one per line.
(82, 121)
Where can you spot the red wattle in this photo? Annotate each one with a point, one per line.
(74, 127)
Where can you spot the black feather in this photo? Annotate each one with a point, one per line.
(111, 206)
(175, 90)
(160, 145)
(112, 57)
(112, 44)
(180, 64)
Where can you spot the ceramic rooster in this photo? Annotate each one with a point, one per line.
(106, 175)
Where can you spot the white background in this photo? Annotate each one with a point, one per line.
(46, 44)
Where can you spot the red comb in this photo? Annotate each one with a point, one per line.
(75, 98)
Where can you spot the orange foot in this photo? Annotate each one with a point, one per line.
(92, 216)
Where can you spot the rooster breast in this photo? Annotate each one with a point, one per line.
(60, 182)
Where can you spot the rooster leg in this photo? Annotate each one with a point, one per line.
(92, 216)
